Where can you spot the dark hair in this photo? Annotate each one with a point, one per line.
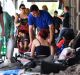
(69, 34)
(44, 7)
(1, 11)
(43, 33)
(67, 8)
(21, 5)
(56, 11)
(34, 8)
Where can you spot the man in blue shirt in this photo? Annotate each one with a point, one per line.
(42, 20)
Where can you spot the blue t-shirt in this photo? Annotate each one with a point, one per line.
(42, 21)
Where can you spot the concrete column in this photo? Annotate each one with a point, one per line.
(78, 14)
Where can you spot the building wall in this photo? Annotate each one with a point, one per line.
(78, 14)
(75, 13)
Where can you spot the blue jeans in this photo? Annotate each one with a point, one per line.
(62, 31)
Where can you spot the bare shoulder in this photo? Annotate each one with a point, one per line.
(35, 42)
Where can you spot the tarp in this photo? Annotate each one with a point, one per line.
(9, 72)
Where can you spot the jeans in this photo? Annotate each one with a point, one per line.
(62, 31)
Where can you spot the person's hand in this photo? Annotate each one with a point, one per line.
(30, 44)
(49, 41)
(18, 24)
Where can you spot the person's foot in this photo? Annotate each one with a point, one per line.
(1, 61)
(5, 63)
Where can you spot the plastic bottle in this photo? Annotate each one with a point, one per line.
(4, 48)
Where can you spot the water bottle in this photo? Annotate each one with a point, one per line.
(4, 48)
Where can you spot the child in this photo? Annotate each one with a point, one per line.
(23, 41)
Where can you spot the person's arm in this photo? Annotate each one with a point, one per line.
(31, 33)
(33, 49)
(51, 30)
(16, 20)
(52, 39)
(61, 16)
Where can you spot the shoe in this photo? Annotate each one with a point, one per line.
(5, 63)
(1, 61)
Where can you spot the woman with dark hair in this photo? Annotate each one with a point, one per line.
(22, 26)
(40, 45)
